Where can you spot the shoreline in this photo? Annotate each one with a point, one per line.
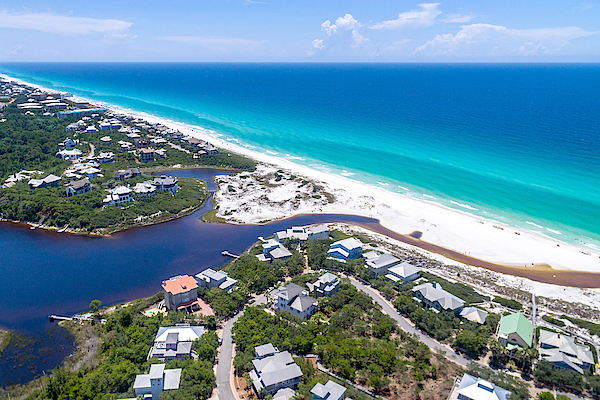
(466, 235)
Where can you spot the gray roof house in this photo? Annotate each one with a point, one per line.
(468, 387)
(328, 391)
(152, 384)
(564, 352)
(49, 181)
(211, 278)
(378, 263)
(326, 285)
(474, 314)
(270, 374)
(403, 273)
(175, 342)
(294, 299)
(273, 250)
(434, 296)
(79, 187)
(284, 394)
(265, 350)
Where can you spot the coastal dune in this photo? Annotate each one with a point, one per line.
(514, 251)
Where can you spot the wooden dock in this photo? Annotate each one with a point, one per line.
(228, 254)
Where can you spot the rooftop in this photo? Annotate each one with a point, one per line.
(179, 284)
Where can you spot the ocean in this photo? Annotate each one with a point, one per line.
(514, 143)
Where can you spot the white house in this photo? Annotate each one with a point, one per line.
(175, 342)
(144, 189)
(379, 263)
(328, 391)
(156, 381)
(403, 273)
(272, 373)
(474, 314)
(563, 352)
(326, 285)
(469, 387)
(118, 196)
(273, 250)
(166, 184)
(69, 155)
(106, 158)
(432, 295)
(49, 181)
(211, 278)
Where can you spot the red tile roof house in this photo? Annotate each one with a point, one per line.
(181, 293)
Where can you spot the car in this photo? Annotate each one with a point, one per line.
(220, 341)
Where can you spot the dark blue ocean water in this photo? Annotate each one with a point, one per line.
(514, 143)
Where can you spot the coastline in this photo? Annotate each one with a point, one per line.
(454, 230)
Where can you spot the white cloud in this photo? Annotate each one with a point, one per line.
(358, 40)
(498, 39)
(345, 23)
(458, 18)
(318, 44)
(61, 24)
(219, 43)
(423, 17)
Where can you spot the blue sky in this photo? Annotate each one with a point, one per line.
(308, 30)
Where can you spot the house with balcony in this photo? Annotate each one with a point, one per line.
(275, 372)
(468, 387)
(79, 187)
(210, 278)
(295, 300)
(515, 331)
(328, 391)
(181, 293)
(118, 196)
(326, 285)
(175, 342)
(403, 273)
(432, 295)
(564, 352)
(379, 263)
(151, 385)
(346, 249)
(273, 250)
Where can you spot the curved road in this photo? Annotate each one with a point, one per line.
(407, 326)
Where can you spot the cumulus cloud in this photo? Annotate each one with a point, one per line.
(358, 40)
(502, 39)
(218, 43)
(318, 44)
(421, 18)
(345, 23)
(61, 24)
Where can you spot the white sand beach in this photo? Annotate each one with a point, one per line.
(453, 229)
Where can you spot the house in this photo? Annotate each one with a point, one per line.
(151, 385)
(272, 373)
(91, 172)
(106, 139)
(265, 350)
(432, 295)
(128, 173)
(175, 342)
(118, 196)
(49, 181)
(161, 153)
(468, 387)
(297, 233)
(326, 285)
(79, 187)
(293, 299)
(166, 184)
(328, 391)
(146, 155)
(284, 394)
(69, 155)
(91, 129)
(144, 189)
(273, 250)
(563, 352)
(345, 249)
(474, 314)
(106, 158)
(210, 278)
(403, 273)
(515, 330)
(379, 263)
(105, 126)
(181, 293)
(125, 146)
(68, 143)
(140, 143)
(318, 232)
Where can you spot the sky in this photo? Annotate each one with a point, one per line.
(300, 31)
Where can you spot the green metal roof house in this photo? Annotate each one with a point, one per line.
(515, 330)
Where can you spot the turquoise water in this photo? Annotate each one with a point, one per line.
(513, 143)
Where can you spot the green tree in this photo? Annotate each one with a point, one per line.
(95, 305)
(545, 396)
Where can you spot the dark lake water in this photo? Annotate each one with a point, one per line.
(47, 273)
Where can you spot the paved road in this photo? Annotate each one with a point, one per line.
(224, 384)
(408, 327)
